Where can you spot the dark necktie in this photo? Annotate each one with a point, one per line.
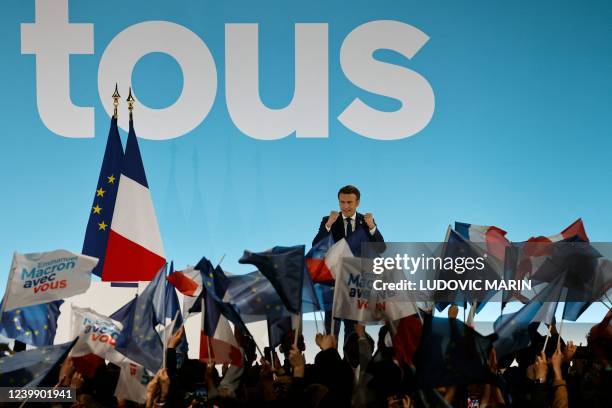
(349, 227)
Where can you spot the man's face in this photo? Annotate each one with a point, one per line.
(348, 204)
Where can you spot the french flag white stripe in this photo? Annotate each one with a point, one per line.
(134, 217)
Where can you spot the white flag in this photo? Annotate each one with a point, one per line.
(335, 254)
(97, 334)
(47, 276)
(132, 383)
(356, 299)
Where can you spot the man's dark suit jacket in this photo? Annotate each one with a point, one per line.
(337, 230)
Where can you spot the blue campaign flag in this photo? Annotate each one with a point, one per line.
(512, 328)
(325, 296)
(102, 209)
(278, 327)
(35, 325)
(310, 301)
(284, 268)
(30, 368)
(457, 247)
(139, 341)
(451, 353)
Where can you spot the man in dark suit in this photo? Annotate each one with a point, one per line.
(353, 226)
(348, 221)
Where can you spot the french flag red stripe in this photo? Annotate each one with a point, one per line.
(128, 261)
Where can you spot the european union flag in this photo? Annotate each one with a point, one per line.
(213, 279)
(139, 341)
(122, 314)
(253, 295)
(284, 268)
(30, 368)
(103, 207)
(33, 325)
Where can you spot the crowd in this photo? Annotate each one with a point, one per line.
(364, 373)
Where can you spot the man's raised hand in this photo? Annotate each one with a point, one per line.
(333, 216)
(369, 219)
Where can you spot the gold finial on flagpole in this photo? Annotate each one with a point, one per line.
(116, 97)
(130, 101)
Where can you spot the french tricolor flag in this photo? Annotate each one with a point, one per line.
(217, 341)
(494, 237)
(324, 256)
(134, 251)
(187, 281)
(536, 250)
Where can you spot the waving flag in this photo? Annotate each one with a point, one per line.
(451, 353)
(284, 268)
(132, 382)
(134, 251)
(97, 334)
(355, 298)
(315, 260)
(46, 276)
(30, 368)
(35, 325)
(103, 207)
(188, 281)
(217, 341)
(493, 237)
(512, 328)
(534, 252)
(139, 341)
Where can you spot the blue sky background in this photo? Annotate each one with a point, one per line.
(520, 137)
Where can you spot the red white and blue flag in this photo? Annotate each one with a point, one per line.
(494, 237)
(134, 251)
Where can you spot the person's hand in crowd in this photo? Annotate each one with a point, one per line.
(568, 353)
(555, 361)
(325, 341)
(152, 391)
(453, 311)
(66, 371)
(76, 381)
(539, 369)
(493, 361)
(398, 401)
(369, 220)
(176, 338)
(298, 362)
(333, 216)
(360, 330)
(164, 384)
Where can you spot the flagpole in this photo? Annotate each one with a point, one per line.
(546, 341)
(297, 329)
(203, 329)
(560, 330)
(221, 260)
(316, 323)
(164, 315)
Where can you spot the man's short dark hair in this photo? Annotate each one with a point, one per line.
(349, 190)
